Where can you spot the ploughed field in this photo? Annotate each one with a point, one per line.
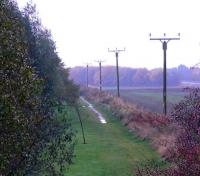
(151, 98)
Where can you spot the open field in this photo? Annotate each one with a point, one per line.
(151, 98)
(111, 150)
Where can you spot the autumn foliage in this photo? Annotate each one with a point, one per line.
(147, 125)
(175, 137)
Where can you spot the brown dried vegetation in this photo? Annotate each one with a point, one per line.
(147, 125)
(175, 137)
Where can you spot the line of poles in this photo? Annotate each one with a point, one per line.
(164, 40)
(116, 51)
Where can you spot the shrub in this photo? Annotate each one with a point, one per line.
(186, 154)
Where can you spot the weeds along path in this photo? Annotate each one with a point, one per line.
(111, 150)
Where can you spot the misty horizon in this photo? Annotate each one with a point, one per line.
(96, 66)
(176, 76)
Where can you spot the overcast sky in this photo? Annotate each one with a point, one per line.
(85, 29)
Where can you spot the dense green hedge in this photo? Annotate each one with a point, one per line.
(35, 134)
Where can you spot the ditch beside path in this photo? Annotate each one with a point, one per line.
(99, 115)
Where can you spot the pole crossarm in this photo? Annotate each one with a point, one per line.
(99, 61)
(116, 50)
(165, 39)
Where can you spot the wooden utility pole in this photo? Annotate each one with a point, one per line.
(87, 76)
(117, 51)
(100, 75)
(164, 40)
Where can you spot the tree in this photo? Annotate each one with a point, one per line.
(187, 115)
(156, 77)
(19, 91)
(35, 132)
(140, 77)
(186, 154)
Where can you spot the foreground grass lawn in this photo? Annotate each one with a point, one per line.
(111, 150)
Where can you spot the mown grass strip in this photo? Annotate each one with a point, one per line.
(111, 150)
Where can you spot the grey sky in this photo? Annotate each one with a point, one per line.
(84, 29)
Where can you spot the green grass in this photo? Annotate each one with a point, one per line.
(111, 150)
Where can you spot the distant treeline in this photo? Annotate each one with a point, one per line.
(135, 76)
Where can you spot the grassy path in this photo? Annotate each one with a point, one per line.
(111, 150)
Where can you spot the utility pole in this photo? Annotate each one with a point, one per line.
(87, 79)
(164, 40)
(87, 75)
(117, 51)
(100, 78)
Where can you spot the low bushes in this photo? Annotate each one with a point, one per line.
(176, 137)
(144, 123)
